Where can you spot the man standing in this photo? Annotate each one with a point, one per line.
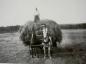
(36, 17)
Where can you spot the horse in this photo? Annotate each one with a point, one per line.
(47, 41)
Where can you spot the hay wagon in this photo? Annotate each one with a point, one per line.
(41, 34)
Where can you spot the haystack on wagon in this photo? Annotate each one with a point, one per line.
(31, 32)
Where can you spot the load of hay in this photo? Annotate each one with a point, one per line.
(34, 27)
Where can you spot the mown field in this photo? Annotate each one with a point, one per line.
(12, 49)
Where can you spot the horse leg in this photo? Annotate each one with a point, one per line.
(44, 52)
(31, 51)
(49, 52)
(35, 51)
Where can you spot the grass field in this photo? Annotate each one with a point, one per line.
(12, 49)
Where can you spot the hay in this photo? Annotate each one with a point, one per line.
(30, 27)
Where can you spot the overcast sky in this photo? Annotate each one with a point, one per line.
(14, 12)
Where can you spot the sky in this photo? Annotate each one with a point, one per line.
(18, 12)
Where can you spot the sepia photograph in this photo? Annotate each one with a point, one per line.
(42, 31)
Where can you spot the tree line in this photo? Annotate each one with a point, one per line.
(11, 29)
(73, 26)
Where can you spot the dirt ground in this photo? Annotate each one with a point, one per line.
(12, 49)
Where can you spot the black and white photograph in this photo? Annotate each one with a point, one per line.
(42, 31)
